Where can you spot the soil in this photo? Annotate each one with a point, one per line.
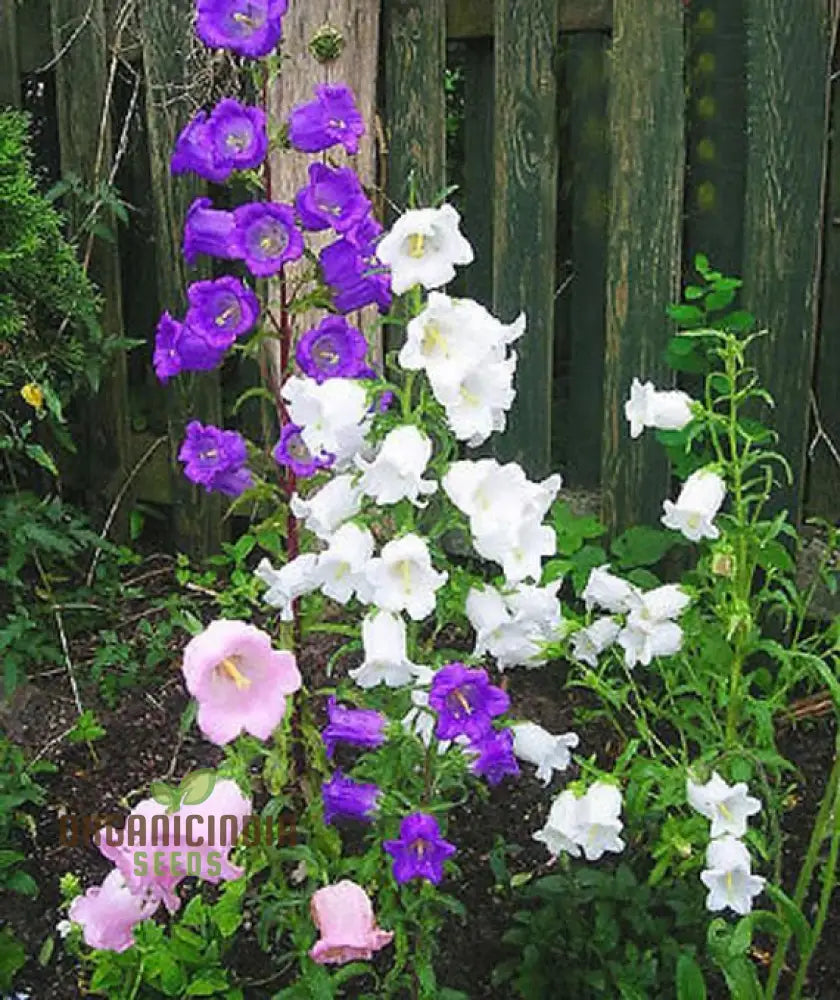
(143, 742)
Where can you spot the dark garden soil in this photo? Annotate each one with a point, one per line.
(143, 743)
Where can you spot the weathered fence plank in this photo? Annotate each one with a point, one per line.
(587, 87)
(787, 43)
(415, 60)
(477, 196)
(9, 67)
(647, 125)
(525, 202)
(83, 106)
(474, 18)
(170, 52)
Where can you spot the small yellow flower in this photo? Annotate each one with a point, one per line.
(33, 395)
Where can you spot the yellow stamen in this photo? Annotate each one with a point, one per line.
(433, 339)
(230, 668)
(222, 318)
(420, 847)
(268, 243)
(462, 701)
(404, 570)
(724, 811)
(469, 397)
(416, 245)
(240, 18)
(729, 881)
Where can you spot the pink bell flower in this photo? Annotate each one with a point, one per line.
(109, 912)
(238, 680)
(344, 916)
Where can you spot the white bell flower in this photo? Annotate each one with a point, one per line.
(385, 658)
(649, 407)
(333, 415)
(697, 506)
(657, 605)
(728, 877)
(402, 578)
(561, 831)
(396, 473)
(590, 823)
(490, 493)
(286, 584)
(476, 403)
(549, 753)
(423, 247)
(512, 628)
(420, 720)
(588, 643)
(605, 590)
(642, 645)
(519, 547)
(327, 509)
(727, 806)
(340, 572)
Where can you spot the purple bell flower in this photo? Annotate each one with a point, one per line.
(360, 727)
(465, 702)
(292, 452)
(251, 28)
(420, 851)
(234, 137)
(222, 310)
(333, 198)
(330, 119)
(266, 237)
(352, 279)
(208, 231)
(495, 757)
(194, 152)
(345, 798)
(166, 359)
(215, 459)
(333, 349)
(180, 347)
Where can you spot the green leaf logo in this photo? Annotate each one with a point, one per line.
(196, 787)
(167, 795)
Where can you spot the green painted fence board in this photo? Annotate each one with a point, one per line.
(647, 125)
(787, 71)
(477, 196)
(9, 67)
(587, 88)
(474, 18)
(167, 39)
(525, 214)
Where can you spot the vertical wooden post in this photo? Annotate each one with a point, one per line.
(525, 214)
(647, 126)
(587, 87)
(169, 54)
(788, 69)
(477, 195)
(9, 67)
(415, 61)
(86, 151)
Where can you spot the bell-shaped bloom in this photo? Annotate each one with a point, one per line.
(238, 680)
(345, 798)
(180, 347)
(648, 407)
(588, 643)
(333, 349)
(727, 806)
(420, 851)
(209, 231)
(266, 238)
(251, 28)
(333, 199)
(324, 511)
(423, 247)
(402, 578)
(340, 572)
(466, 702)
(385, 658)
(354, 273)
(590, 823)
(333, 415)
(215, 459)
(494, 758)
(285, 585)
(291, 451)
(697, 506)
(549, 753)
(108, 913)
(225, 800)
(396, 473)
(420, 720)
(649, 630)
(729, 878)
(359, 727)
(476, 403)
(331, 119)
(513, 627)
(518, 545)
(344, 917)
(232, 137)
(607, 591)
(222, 310)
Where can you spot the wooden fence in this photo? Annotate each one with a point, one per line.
(599, 145)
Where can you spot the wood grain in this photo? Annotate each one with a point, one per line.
(787, 42)
(9, 67)
(474, 18)
(647, 126)
(525, 214)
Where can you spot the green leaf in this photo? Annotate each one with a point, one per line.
(12, 958)
(642, 546)
(46, 950)
(686, 315)
(207, 985)
(42, 457)
(791, 916)
(197, 787)
(23, 883)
